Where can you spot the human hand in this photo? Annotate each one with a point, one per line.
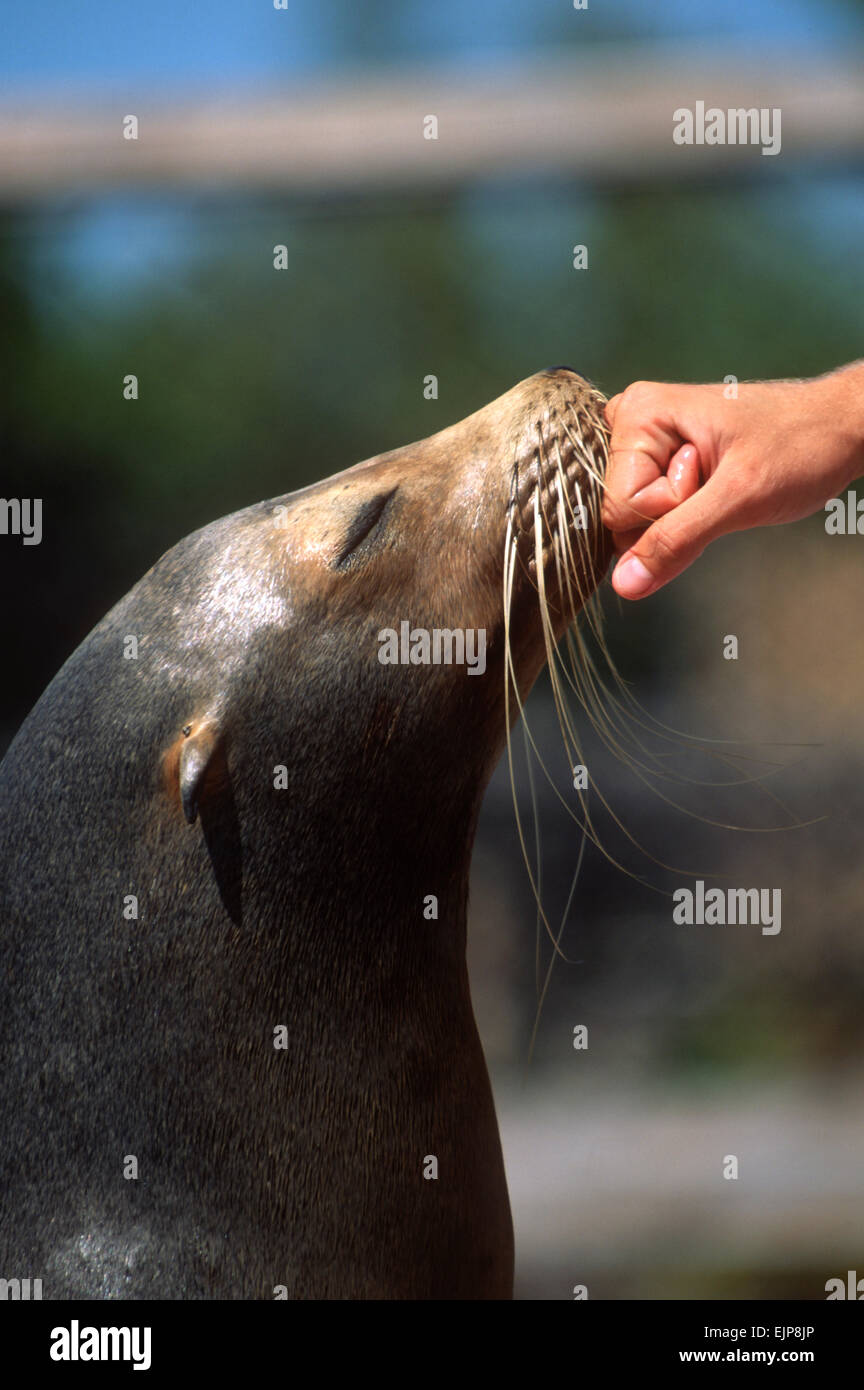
(687, 465)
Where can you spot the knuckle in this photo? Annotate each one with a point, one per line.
(637, 395)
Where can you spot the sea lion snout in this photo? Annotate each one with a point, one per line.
(429, 521)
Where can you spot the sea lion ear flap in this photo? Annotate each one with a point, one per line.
(196, 756)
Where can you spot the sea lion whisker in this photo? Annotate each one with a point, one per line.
(510, 678)
(551, 964)
(587, 824)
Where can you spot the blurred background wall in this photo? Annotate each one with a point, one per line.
(303, 127)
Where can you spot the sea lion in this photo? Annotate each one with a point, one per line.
(246, 1090)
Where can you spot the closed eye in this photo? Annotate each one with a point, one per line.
(366, 519)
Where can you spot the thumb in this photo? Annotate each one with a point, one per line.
(667, 547)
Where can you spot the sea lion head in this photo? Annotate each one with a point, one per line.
(430, 534)
(368, 621)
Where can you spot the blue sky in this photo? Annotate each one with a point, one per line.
(177, 44)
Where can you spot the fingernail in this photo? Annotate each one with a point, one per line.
(632, 578)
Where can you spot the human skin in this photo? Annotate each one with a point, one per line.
(687, 464)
